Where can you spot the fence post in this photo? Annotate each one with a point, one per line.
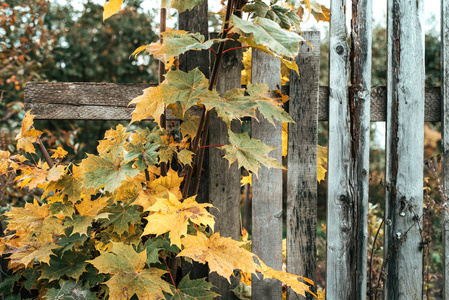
(267, 187)
(445, 141)
(340, 195)
(404, 150)
(302, 162)
(359, 106)
(224, 180)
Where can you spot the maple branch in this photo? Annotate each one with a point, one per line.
(215, 52)
(203, 125)
(208, 146)
(45, 154)
(162, 28)
(235, 48)
(171, 276)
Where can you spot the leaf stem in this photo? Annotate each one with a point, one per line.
(45, 154)
(169, 271)
(208, 146)
(203, 125)
(235, 48)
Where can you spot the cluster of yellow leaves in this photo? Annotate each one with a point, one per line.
(8, 162)
(27, 135)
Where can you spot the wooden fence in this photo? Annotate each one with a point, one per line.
(404, 104)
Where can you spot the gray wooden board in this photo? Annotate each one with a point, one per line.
(340, 205)
(359, 106)
(404, 150)
(267, 187)
(445, 139)
(76, 99)
(224, 180)
(302, 163)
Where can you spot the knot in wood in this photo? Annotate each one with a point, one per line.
(340, 50)
(343, 198)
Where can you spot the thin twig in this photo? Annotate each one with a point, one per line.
(45, 154)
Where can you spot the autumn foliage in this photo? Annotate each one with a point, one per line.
(110, 225)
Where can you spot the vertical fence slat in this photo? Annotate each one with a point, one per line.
(340, 199)
(267, 188)
(302, 162)
(445, 140)
(359, 106)
(404, 158)
(224, 180)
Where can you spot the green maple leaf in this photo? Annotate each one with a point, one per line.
(249, 153)
(71, 264)
(176, 42)
(129, 275)
(233, 105)
(267, 36)
(269, 106)
(154, 245)
(91, 277)
(106, 172)
(112, 144)
(121, 217)
(188, 289)
(143, 154)
(70, 290)
(69, 240)
(180, 5)
(63, 208)
(285, 17)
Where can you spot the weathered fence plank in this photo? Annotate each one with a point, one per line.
(445, 139)
(404, 148)
(267, 187)
(340, 205)
(302, 162)
(359, 106)
(224, 180)
(82, 97)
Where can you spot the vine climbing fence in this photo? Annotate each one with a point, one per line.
(349, 104)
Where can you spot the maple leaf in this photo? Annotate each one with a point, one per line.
(27, 135)
(129, 190)
(106, 172)
(40, 175)
(284, 16)
(233, 105)
(7, 161)
(112, 144)
(249, 153)
(269, 105)
(178, 86)
(293, 281)
(188, 289)
(171, 215)
(223, 255)
(34, 220)
(284, 139)
(180, 5)
(129, 275)
(322, 163)
(70, 263)
(176, 42)
(70, 185)
(121, 217)
(27, 254)
(247, 180)
(159, 188)
(267, 36)
(111, 8)
(58, 153)
(88, 212)
(70, 290)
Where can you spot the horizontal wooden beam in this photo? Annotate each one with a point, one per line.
(109, 101)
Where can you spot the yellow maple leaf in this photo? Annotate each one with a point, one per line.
(111, 8)
(40, 175)
(159, 188)
(171, 215)
(113, 141)
(322, 163)
(129, 275)
(58, 153)
(26, 255)
(223, 255)
(27, 135)
(89, 208)
(150, 104)
(9, 162)
(247, 180)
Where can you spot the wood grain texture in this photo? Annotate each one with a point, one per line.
(224, 180)
(44, 97)
(195, 20)
(404, 150)
(267, 187)
(340, 198)
(302, 163)
(359, 106)
(445, 139)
